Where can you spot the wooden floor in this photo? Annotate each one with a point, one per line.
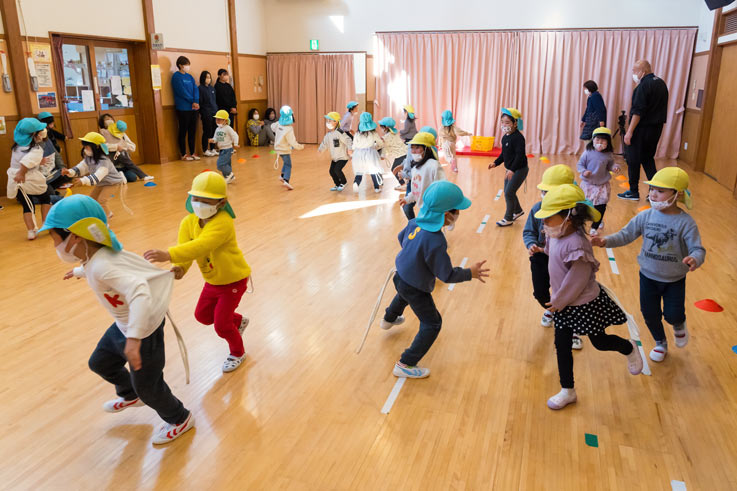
(304, 411)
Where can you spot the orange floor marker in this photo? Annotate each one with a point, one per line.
(241, 161)
(68, 193)
(624, 185)
(643, 208)
(620, 178)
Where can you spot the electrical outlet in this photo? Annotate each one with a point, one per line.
(685, 145)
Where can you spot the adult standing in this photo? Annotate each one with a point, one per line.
(186, 103)
(595, 114)
(225, 95)
(208, 108)
(647, 117)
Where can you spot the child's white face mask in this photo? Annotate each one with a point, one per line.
(557, 231)
(599, 146)
(662, 205)
(255, 117)
(417, 157)
(506, 129)
(204, 210)
(67, 257)
(329, 126)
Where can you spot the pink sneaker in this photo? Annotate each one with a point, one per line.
(562, 399)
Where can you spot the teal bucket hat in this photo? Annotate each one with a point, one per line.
(440, 197)
(351, 105)
(286, 116)
(389, 123)
(25, 129)
(82, 216)
(447, 117)
(45, 114)
(366, 123)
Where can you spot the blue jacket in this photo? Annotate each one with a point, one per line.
(424, 257)
(533, 233)
(595, 112)
(185, 91)
(208, 107)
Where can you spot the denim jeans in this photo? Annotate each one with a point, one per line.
(108, 361)
(286, 170)
(673, 297)
(224, 161)
(510, 192)
(374, 178)
(423, 306)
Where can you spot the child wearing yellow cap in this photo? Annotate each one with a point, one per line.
(424, 170)
(207, 235)
(579, 304)
(226, 139)
(533, 236)
(671, 247)
(97, 170)
(595, 167)
(339, 144)
(409, 128)
(514, 158)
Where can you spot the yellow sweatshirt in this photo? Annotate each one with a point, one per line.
(214, 247)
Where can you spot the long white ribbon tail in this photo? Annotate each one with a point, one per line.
(276, 162)
(123, 194)
(182, 346)
(376, 309)
(632, 327)
(30, 205)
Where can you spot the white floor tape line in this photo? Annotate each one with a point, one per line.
(498, 195)
(393, 395)
(612, 262)
(483, 224)
(678, 485)
(452, 286)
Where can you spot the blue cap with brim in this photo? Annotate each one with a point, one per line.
(286, 116)
(84, 217)
(389, 123)
(439, 198)
(366, 122)
(351, 105)
(25, 129)
(447, 117)
(44, 115)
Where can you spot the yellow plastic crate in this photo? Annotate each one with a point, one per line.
(482, 143)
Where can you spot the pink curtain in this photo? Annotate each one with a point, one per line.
(312, 85)
(539, 72)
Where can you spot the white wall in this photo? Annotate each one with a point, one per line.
(706, 27)
(290, 24)
(79, 17)
(192, 24)
(250, 19)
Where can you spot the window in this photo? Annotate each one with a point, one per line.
(77, 85)
(113, 78)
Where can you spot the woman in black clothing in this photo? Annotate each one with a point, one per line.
(595, 114)
(225, 95)
(208, 108)
(515, 161)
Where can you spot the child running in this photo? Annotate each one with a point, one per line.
(424, 169)
(207, 235)
(366, 159)
(137, 296)
(578, 302)
(395, 150)
(226, 139)
(449, 134)
(339, 144)
(671, 247)
(423, 258)
(409, 130)
(405, 171)
(514, 159)
(346, 122)
(284, 142)
(533, 236)
(595, 166)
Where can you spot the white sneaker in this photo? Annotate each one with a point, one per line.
(401, 187)
(577, 342)
(681, 335)
(230, 178)
(195, 157)
(118, 404)
(340, 188)
(212, 153)
(188, 158)
(243, 326)
(386, 325)
(355, 187)
(547, 319)
(32, 234)
(562, 399)
(168, 432)
(232, 362)
(281, 179)
(504, 222)
(401, 370)
(517, 215)
(287, 185)
(334, 188)
(634, 360)
(377, 190)
(657, 354)
(148, 178)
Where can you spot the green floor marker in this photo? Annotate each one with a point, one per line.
(638, 343)
(592, 440)
(272, 152)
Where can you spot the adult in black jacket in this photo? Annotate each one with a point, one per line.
(647, 116)
(225, 95)
(595, 114)
(514, 159)
(208, 108)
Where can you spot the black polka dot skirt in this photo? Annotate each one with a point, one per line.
(590, 318)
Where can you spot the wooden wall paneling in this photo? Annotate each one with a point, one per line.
(722, 148)
(712, 76)
(149, 99)
(370, 84)
(243, 108)
(8, 106)
(234, 58)
(6, 146)
(690, 135)
(211, 62)
(169, 147)
(16, 57)
(250, 68)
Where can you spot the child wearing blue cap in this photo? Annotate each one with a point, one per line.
(26, 182)
(423, 258)
(118, 141)
(284, 142)
(346, 122)
(514, 159)
(449, 134)
(366, 158)
(395, 150)
(137, 295)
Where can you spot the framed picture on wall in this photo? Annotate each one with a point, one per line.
(47, 100)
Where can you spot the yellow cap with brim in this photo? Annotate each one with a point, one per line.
(333, 115)
(673, 178)
(602, 131)
(556, 175)
(565, 197)
(96, 139)
(209, 185)
(426, 140)
(222, 114)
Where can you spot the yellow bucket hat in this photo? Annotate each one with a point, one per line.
(97, 139)
(602, 131)
(410, 110)
(673, 178)
(222, 114)
(565, 197)
(426, 140)
(333, 115)
(556, 175)
(209, 185)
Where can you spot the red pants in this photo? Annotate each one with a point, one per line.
(217, 306)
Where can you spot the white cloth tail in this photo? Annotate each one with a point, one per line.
(182, 346)
(632, 327)
(376, 309)
(276, 162)
(123, 194)
(30, 205)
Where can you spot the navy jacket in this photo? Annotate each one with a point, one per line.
(595, 112)
(208, 107)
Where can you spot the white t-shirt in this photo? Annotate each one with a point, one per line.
(32, 159)
(135, 292)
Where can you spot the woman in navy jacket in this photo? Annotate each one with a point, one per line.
(208, 108)
(595, 115)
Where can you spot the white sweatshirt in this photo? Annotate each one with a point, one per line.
(135, 292)
(284, 139)
(394, 147)
(422, 177)
(338, 142)
(35, 182)
(225, 137)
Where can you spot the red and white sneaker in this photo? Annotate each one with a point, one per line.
(118, 404)
(168, 432)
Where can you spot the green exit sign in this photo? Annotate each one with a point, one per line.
(314, 45)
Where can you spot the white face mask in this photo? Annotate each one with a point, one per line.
(186, 68)
(67, 257)
(586, 91)
(329, 126)
(204, 210)
(88, 152)
(662, 205)
(506, 129)
(599, 146)
(255, 117)
(417, 157)
(556, 232)
(636, 78)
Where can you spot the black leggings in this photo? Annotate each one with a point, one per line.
(39, 199)
(601, 209)
(374, 179)
(187, 129)
(336, 172)
(208, 130)
(602, 342)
